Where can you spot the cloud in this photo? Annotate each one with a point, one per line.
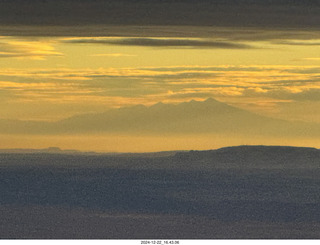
(298, 93)
(161, 42)
(260, 88)
(146, 85)
(35, 86)
(244, 13)
(226, 33)
(26, 49)
(298, 43)
(312, 58)
(113, 55)
(61, 92)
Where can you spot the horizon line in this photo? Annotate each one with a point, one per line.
(59, 150)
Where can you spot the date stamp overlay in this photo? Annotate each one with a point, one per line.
(159, 242)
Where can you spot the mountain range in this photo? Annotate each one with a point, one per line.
(194, 117)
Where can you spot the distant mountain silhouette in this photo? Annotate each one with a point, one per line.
(240, 157)
(50, 150)
(259, 157)
(194, 117)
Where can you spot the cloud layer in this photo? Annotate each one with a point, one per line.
(162, 42)
(261, 88)
(26, 49)
(242, 80)
(243, 13)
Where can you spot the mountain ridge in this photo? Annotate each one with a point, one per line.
(253, 156)
(244, 157)
(193, 117)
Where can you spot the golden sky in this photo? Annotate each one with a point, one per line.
(52, 78)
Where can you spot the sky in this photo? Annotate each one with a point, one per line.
(63, 59)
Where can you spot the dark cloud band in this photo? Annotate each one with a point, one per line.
(242, 13)
(152, 42)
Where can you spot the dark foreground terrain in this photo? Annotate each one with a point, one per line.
(236, 192)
